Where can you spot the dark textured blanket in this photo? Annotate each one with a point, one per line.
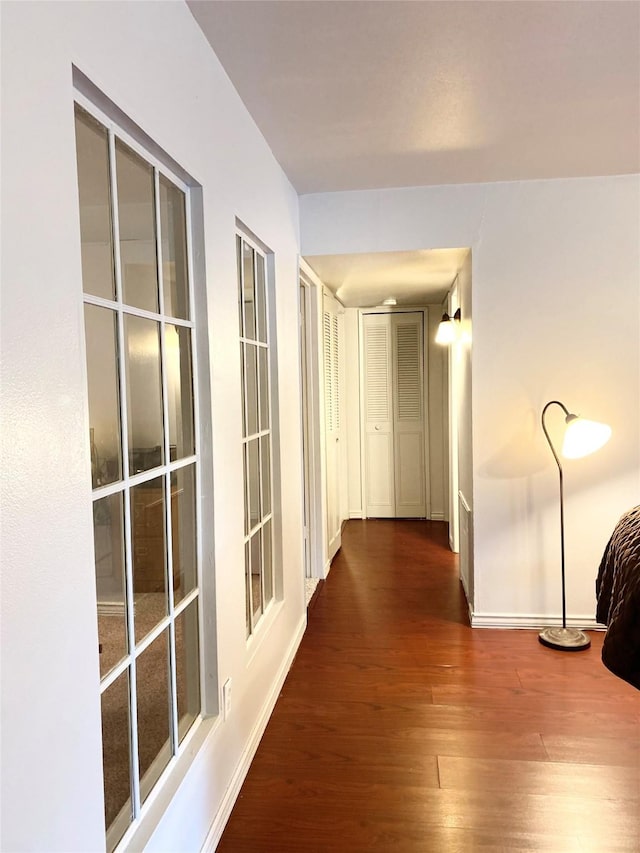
(618, 591)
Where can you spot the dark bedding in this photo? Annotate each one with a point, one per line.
(618, 591)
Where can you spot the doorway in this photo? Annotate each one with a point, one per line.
(394, 434)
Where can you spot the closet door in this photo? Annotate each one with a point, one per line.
(408, 415)
(331, 349)
(378, 417)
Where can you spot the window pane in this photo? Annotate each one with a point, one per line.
(180, 391)
(108, 544)
(144, 393)
(251, 380)
(187, 668)
(154, 712)
(265, 461)
(137, 223)
(256, 574)
(248, 293)
(149, 561)
(183, 531)
(247, 578)
(94, 189)
(116, 757)
(267, 561)
(263, 364)
(104, 399)
(239, 263)
(245, 455)
(243, 387)
(254, 484)
(261, 298)
(173, 233)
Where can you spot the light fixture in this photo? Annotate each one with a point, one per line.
(581, 437)
(390, 301)
(448, 328)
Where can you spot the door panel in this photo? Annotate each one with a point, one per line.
(408, 415)
(331, 350)
(378, 410)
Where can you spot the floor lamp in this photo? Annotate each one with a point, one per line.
(581, 437)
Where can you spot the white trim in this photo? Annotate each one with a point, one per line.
(357, 514)
(532, 620)
(224, 812)
(437, 516)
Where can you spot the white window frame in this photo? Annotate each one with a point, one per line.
(128, 481)
(256, 622)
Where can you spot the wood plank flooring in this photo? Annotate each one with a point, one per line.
(400, 729)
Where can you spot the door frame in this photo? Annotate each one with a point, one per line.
(315, 422)
(396, 309)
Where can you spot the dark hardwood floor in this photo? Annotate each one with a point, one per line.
(400, 728)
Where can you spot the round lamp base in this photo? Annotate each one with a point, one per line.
(564, 639)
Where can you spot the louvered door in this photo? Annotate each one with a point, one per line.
(393, 404)
(408, 416)
(378, 417)
(331, 355)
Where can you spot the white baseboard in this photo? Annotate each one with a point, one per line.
(437, 516)
(355, 514)
(220, 821)
(514, 620)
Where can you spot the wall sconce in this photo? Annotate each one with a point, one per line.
(581, 437)
(448, 329)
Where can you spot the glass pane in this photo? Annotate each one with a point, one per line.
(243, 386)
(180, 391)
(144, 393)
(183, 531)
(104, 399)
(263, 365)
(149, 556)
(267, 561)
(245, 453)
(248, 294)
(173, 234)
(94, 190)
(116, 759)
(261, 298)
(137, 223)
(265, 462)
(108, 545)
(247, 578)
(187, 668)
(154, 712)
(256, 574)
(251, 382)
(239, 263)
(254, 483)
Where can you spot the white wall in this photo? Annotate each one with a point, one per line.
(152, 60)
(556, 314)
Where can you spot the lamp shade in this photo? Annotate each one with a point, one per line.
(447, 331)
(582, 437)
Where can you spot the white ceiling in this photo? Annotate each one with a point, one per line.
(412, 278)
(390, 93)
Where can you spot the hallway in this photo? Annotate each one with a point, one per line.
(401, 729)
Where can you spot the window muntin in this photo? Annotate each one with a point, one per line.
(256, 428)
(144, 459)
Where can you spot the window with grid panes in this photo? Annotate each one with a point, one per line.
(139, 331)
(256, 429)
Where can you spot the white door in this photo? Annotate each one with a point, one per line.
(306, 441)
(378, 417)
(331, 349)
(394, 430)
